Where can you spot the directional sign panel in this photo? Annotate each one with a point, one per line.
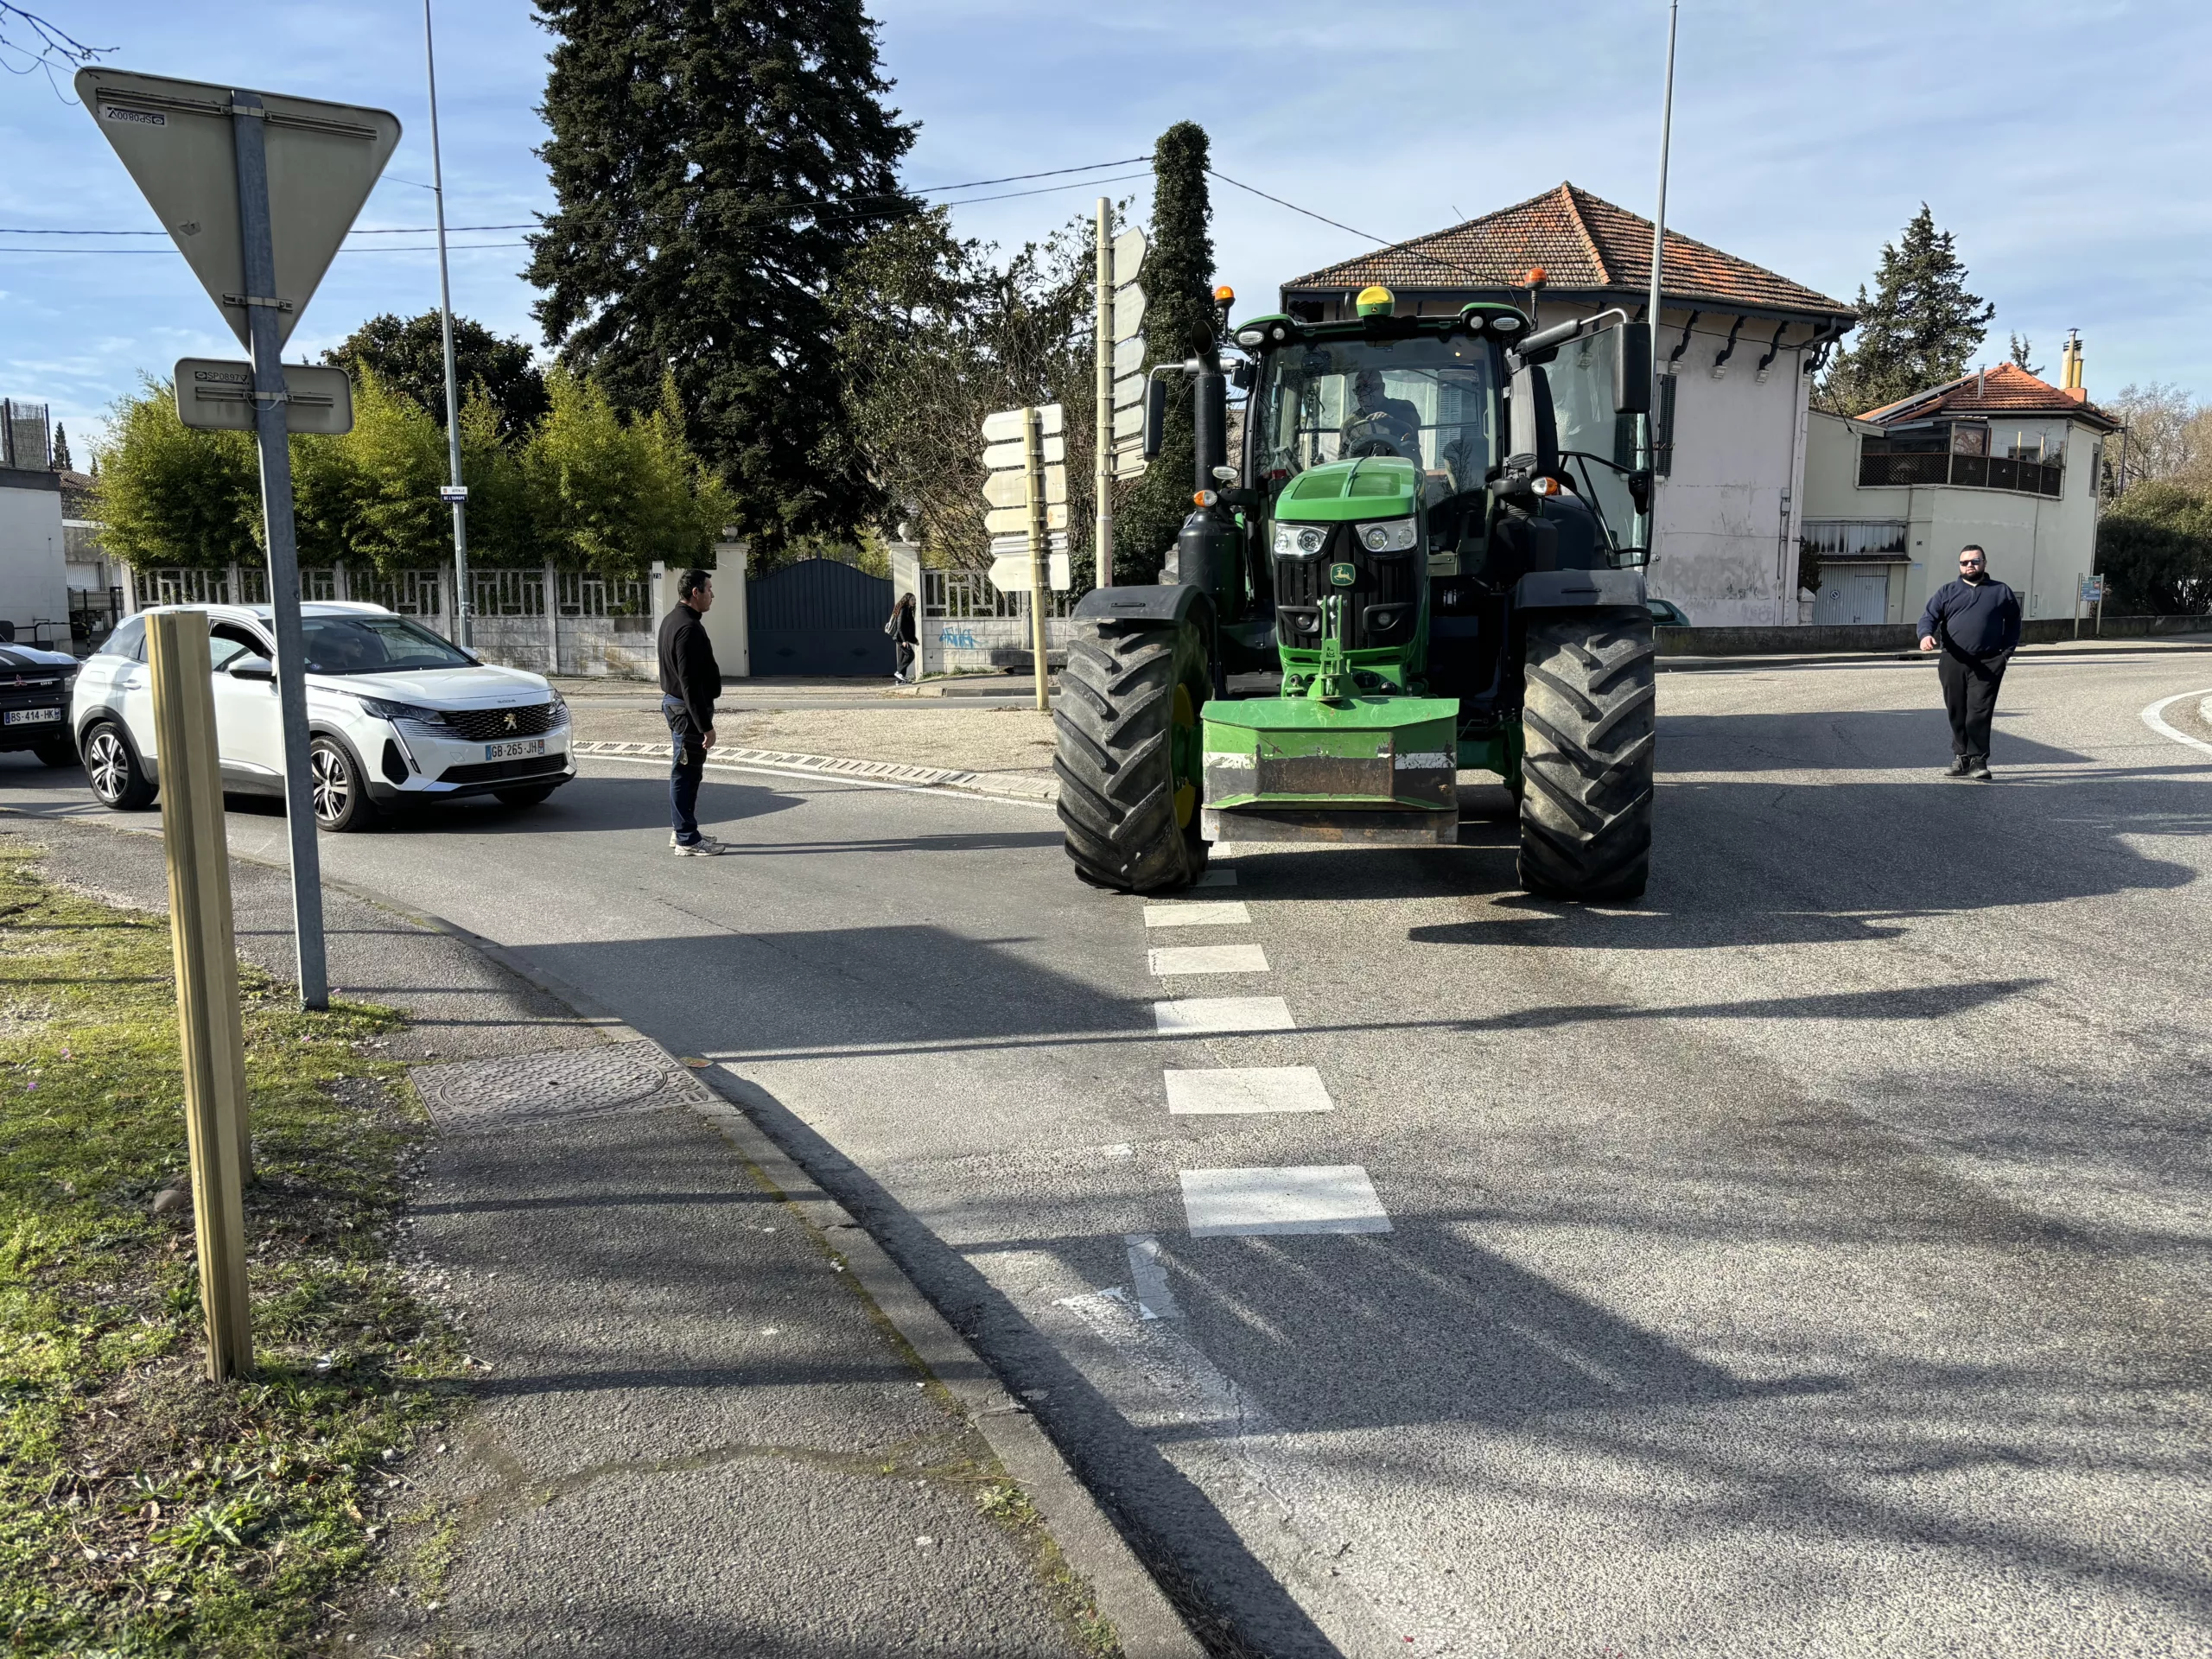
(1012, 489)
(1128, 312)
(1000, 457)
(1128, 357)
(1015, 521)
(217, 396)
(174, 138)
(1010, 573)
(1006, 426)
(1129, 249)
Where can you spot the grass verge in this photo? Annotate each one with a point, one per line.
(143, 1510)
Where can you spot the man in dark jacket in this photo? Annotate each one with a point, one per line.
(690, 680)
(1975, 621)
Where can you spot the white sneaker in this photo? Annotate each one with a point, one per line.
(705, 846)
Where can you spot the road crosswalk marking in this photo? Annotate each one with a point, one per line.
(1207, 959)
(1300, 1199)
(1222, 1091)
(1198, 912)
(1192, 1014)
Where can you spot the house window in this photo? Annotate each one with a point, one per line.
(1969, 438)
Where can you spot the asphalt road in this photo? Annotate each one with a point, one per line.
(1810, 1260)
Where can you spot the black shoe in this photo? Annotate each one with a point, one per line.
(1979, 772)
(1958, 768)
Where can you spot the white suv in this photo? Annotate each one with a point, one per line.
(394, 714)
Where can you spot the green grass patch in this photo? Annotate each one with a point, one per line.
(142, 1509)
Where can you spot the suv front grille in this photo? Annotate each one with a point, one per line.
(496, 772)
(490, 725)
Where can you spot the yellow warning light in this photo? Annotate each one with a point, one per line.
(1375, 301)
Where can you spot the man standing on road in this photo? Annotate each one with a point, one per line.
(690, 680)
(1976, 623)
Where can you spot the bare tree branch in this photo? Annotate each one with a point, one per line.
(40, 46)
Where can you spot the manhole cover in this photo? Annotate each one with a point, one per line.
(568, 1083)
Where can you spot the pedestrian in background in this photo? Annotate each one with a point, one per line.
(1975, 622)
(903, 635)
(690, 680)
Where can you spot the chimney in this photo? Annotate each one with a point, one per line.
(1980, 385)
(2069, 380)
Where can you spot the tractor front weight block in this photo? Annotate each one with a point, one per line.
(1370, 771)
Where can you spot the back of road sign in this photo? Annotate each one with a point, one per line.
(218, 395)
(174, 138)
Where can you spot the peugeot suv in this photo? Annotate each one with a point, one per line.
(395, 716)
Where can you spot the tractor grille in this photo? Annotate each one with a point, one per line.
(490, 725)
(1381, 607)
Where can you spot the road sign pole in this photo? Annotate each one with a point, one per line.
(261, 301)
(462, 597)
(1040, 586)
(1102, 471)
(210, 1044)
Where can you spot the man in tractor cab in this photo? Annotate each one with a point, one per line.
(1380, 424)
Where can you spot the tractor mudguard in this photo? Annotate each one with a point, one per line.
(1578, 590)
(1166, 603)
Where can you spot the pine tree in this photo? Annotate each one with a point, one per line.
(61, 462)
(1179, 321)
(1920, 328)
(716, 165)
(2023, 349)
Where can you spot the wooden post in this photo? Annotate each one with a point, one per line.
(1040, 544)
(210, 1042)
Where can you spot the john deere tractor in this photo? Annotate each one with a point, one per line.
(1434, 534)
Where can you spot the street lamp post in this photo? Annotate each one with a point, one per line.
(455, 491)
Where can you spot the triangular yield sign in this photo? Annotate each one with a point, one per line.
(174, 138)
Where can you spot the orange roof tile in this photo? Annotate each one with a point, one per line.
(2008, 388)
(1584, 244)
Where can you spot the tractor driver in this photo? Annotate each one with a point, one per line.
(1380, 424)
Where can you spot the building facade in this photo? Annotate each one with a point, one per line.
(1737, 347)
(1998, 458)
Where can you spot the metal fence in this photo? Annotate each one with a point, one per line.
(971, 595)
(507, 592)
(410, 593)
(1877, 467)
(584, 594)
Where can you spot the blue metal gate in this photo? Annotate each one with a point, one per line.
(819, 617)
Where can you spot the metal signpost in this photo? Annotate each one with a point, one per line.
(1026, 501)
(1101, 442)
(455, 494)
(2091, 592)
(257, 190)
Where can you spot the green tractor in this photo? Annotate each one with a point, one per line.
(1434, 534)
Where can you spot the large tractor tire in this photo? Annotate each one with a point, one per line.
(1130, 764)
(1589, 722)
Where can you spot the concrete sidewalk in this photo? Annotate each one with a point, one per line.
(710, 1417)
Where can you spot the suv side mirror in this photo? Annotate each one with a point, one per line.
(1632, 368)
(246, 667)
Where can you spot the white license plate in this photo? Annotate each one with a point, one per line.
(516, 750)
(32, 717)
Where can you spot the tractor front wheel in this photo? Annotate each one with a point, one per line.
(1129, 764)
(1589, 722)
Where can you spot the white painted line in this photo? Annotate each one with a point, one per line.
(1232, 1089)
(2154, 717)
(837, 779)
(1208, 959)
(1198, 912)
(1148, 1276)
(1217, 875)
(1191, 1015)
(1304, 1198)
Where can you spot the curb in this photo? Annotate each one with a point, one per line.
(1125, 1592)
(1044, 789)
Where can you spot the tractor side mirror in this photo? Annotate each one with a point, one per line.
(1632, 368)
(1534, 433)
(1155, 417)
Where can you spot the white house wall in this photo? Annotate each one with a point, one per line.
(34, 561)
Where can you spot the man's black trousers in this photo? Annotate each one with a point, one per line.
(1970, 698)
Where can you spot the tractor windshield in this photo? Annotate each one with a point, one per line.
(1429, 400)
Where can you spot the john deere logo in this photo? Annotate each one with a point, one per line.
(1342, 575)
(511, 720)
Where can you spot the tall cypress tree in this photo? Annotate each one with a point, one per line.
(1919, 329)
(716, 163)
(1179, 321)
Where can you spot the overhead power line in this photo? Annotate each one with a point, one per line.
(1367, 236)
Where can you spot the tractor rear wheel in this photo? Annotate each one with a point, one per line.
(1589, 722)
(1129, 762)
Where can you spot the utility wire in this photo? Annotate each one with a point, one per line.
(1381, 242)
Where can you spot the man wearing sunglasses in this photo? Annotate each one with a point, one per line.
(1975, 621)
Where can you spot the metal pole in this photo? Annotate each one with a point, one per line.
(1103, 459)
(262, 300)
(1040, 585)
(1659, 239)
(462, 607)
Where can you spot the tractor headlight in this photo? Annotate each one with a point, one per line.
(1390, 535)
(1299, 541)
(1248, 338)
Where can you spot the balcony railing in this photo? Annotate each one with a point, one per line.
(1968, 472)
(1871, 539)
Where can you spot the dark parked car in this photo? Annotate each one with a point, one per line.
(1665, 613)
(35, 688)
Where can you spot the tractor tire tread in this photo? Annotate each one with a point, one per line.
(1589, 719)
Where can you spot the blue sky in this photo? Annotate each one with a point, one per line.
(2065, 144)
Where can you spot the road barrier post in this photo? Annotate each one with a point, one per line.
(210, 1039)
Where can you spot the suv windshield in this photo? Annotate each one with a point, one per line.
(1429, 400)
(373, 644)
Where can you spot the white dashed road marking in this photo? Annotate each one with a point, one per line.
(1303, 1198)
(1148, 1276)
(1247, 1089)
(1192, 1015)
(1198, 912)
(1208, 959)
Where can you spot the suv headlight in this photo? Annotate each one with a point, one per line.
(1388, 535)
(377, 708)
(1300, 541)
